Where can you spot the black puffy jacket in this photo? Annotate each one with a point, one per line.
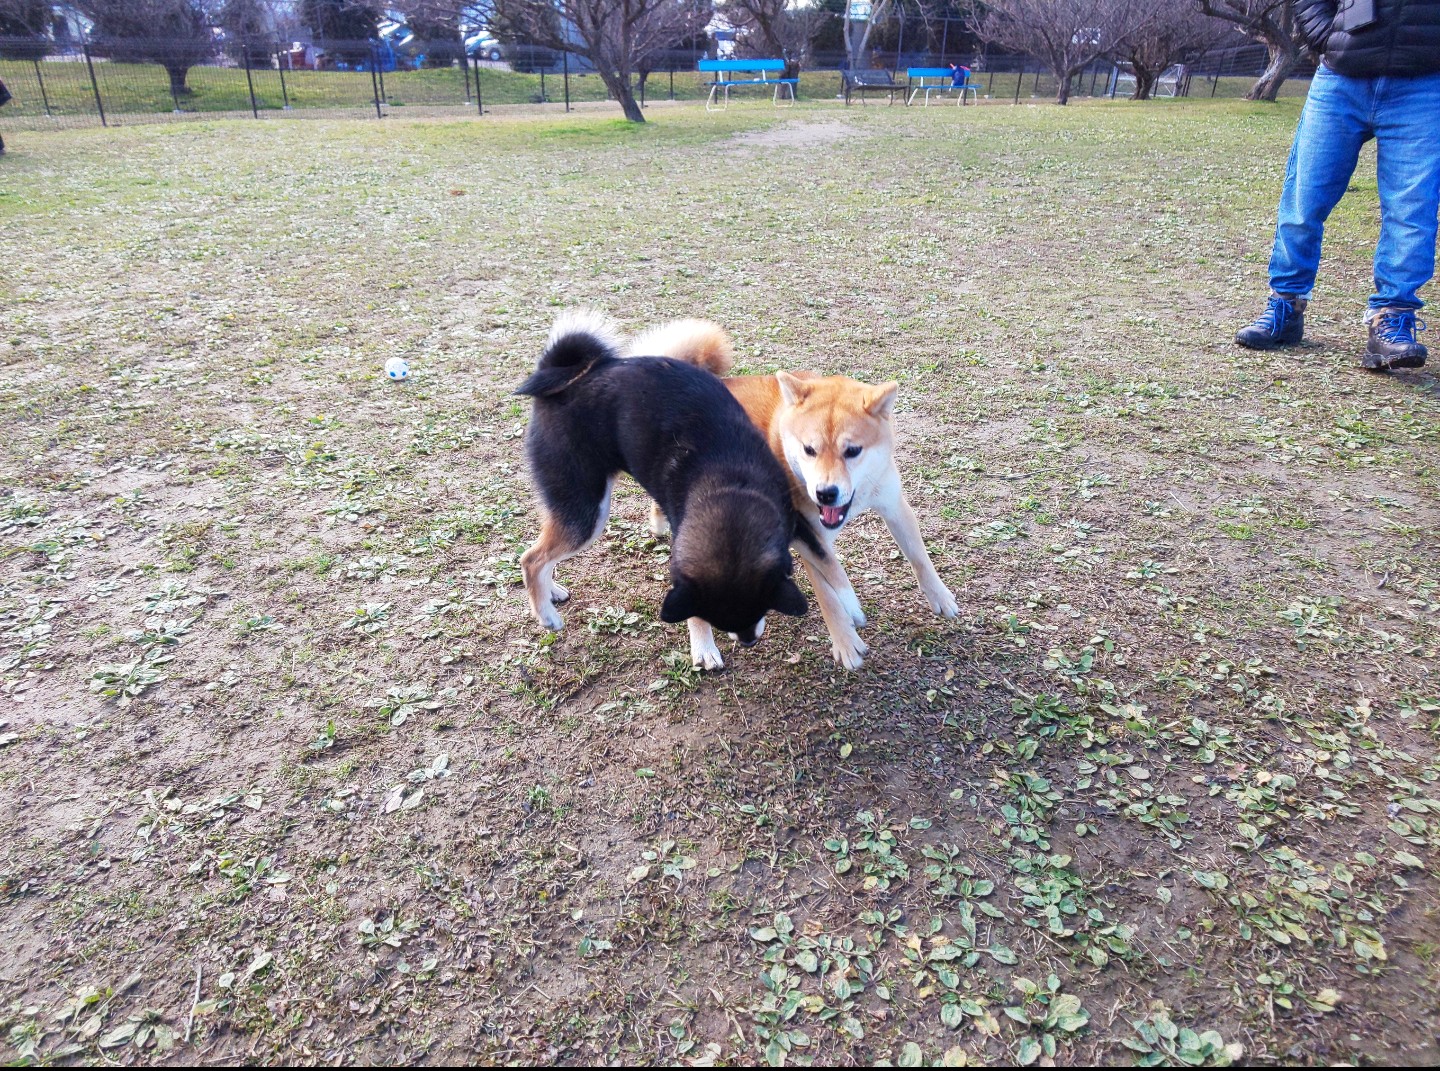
(1404, 39)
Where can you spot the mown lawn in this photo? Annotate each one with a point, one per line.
(289, 774)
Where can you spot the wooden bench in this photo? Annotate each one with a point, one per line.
(938, 80)
(874, 80)
(733, 68)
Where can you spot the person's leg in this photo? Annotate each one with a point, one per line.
(1407, 143)
(1407, 114)
(1334, 124)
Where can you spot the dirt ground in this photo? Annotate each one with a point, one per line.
(288, 775)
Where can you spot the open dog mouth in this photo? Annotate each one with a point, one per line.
(834, 516)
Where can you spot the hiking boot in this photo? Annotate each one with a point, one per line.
(1392, 340)
(1281, 324)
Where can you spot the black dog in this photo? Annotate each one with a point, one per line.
(678, 431)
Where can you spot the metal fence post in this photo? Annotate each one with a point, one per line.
(672, 79)
(465, 66)
(284, 90)
(1094, 74)
(99, 105)
(374, 82)
(380, 72)
(1019, 78)
(565, 58)
(542, 85)
(479, 100)
(45, 97)
(249, 81)
(174, 94)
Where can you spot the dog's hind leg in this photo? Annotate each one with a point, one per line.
(900, 519)
(703, 652)
(560, 538)
(659, 524)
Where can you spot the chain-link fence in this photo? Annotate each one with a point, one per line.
(129, 81)
(111, 83)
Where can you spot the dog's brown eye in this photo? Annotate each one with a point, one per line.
(809, 451)
(852, 451)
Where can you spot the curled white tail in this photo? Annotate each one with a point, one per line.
(698, 342)
(591, 322)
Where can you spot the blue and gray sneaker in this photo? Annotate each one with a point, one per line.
(1281, 324)
(1392, 340)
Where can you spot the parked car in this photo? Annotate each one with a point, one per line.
(483, 45)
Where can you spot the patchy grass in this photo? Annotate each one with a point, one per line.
(290, 775)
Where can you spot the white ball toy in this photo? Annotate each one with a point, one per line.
(397, 368)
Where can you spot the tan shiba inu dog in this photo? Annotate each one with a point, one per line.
(836, 436)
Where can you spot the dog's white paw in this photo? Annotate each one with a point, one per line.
(849, 651)
(558, 593)
(659, 526)
(851, 604)
(942, 602)
(760, 629)
(550, 619)
(705, 655)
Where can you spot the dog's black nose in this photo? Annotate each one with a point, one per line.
(827, 495)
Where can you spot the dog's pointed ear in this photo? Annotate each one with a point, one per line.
(792, 388)
(789, 599)
(679, 604)
(882, 400)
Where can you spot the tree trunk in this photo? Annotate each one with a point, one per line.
(177, 75)
(1144, 83)
(858, 51)
(1283, 58)
(619, 86)
(1064, 78)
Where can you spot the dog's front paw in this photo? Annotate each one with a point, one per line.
(849, 651)
(942, 602)
(548, 617)
(850, 603)
(558, 593)
(705, 655)
(659, 526)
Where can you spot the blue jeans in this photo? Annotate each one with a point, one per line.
(1340, 115)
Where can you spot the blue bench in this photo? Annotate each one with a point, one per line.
(733, 68)
(944, 82)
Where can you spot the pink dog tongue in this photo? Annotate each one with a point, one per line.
(831, 514)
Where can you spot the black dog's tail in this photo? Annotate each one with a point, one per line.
(578, 339)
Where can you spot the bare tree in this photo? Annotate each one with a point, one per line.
(617, 36)
(1272, 23)
(1179, 31)
(348, 21)
(1067, 35)
(437, 23)
(24, 29)
(858, 33)
(173, 33)
(776, 28)
(249, 27)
